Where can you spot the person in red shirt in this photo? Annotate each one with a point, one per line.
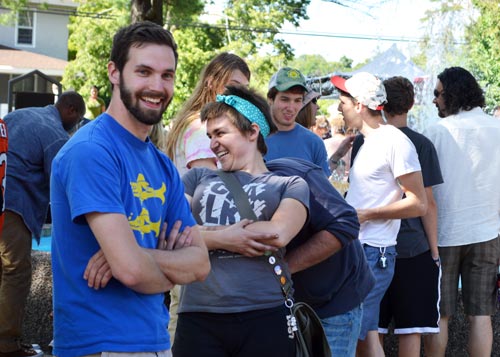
(3, 167)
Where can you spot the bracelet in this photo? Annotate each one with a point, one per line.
(336, 162)
(437, 260)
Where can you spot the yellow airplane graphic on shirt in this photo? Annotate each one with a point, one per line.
(144, 225)
(143, 191)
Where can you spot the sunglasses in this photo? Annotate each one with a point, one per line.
(437, 93)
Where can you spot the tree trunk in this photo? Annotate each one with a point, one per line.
(147, 10)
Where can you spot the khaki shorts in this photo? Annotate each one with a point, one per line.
(166, 353)
(477, 266)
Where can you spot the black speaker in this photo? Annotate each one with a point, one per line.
(32, 99)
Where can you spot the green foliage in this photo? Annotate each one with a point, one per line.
(181, 11)
(250, 32)
(483, 40)
(443, 44)
(247, 28)
(316, 65)
(255, 23)
(9, 18)
(196, 47)
(312, 65)
(90, 43)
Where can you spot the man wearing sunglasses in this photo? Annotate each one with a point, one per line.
(468, 147)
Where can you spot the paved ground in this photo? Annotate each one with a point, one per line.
(38, 325)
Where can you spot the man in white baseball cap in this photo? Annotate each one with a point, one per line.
(385, 168)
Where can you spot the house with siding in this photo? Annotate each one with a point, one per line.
(36, 40)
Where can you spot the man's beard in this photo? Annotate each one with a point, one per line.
(441, 113)
(145, 116)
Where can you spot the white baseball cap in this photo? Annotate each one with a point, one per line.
(365, 88)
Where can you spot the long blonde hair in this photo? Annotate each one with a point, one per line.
(213, 79)
(158, 135)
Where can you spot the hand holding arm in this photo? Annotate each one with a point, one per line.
(286, 222)
(237, 239)
(98, 272)
(186, 257)
(122, 256)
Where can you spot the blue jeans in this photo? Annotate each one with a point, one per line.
(383, 278)
(342, 331)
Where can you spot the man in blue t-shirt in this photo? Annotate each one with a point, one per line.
(112, 192)
(285, 96)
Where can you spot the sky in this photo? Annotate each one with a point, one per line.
(331, 27)
(394, 21)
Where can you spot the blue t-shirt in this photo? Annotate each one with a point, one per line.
(104, 168)
(300, 143)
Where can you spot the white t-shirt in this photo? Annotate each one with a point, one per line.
(194, 145)
(386, 154)
(468, 146)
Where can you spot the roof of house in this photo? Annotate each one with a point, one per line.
(13, 61)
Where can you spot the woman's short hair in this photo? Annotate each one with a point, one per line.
(244, 125)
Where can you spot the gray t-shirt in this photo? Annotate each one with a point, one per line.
(237, 283)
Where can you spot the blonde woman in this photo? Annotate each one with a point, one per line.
(187, 142)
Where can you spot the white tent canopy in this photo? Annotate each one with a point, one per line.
(387, 64)
(392, 63)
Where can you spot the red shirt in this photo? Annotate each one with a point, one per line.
(3, 168)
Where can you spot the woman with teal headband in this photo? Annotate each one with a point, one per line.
(239, 309)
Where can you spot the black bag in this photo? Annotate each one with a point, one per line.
(310, 338)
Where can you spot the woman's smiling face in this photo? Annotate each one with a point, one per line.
(231, 147)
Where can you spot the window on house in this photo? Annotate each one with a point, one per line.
(25, 27)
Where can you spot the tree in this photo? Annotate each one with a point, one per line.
(247, 28)
(483, 41)
(147, 10)
(13, 6)
(443, 44)
(91, 34)
(250, 30)
(252, 26)
(317, 65)
(89, 44)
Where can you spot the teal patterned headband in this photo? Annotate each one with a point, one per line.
(248, 110)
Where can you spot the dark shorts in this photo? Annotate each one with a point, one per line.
(477, 266)
(412, 299)
(246, 334)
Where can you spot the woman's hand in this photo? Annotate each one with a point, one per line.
(246, 242)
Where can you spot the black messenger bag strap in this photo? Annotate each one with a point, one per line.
(240, 196)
